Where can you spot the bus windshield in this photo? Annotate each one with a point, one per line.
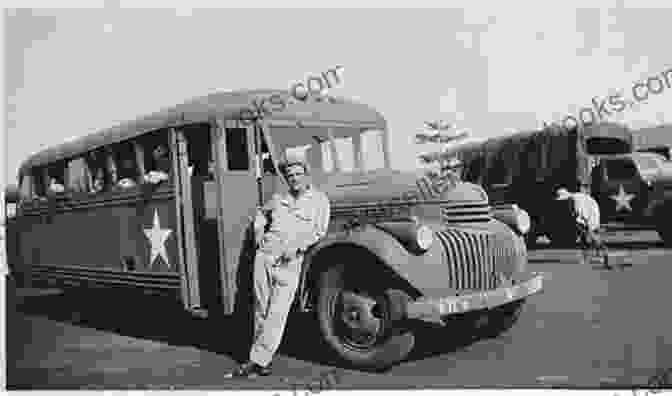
(647, 164)
(360, 153)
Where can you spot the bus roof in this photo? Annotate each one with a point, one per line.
(321, 111)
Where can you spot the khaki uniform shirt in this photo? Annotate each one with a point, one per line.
(586, 210)
(296, 223)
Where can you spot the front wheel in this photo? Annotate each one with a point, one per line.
(357, 319)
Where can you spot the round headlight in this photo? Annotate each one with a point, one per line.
(425, 237)
(523, 222)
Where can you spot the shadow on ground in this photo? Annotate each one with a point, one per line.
(621, 245)
(160, 320)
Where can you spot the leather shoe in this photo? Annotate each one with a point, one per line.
(250, 369)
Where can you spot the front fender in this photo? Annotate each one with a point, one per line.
(422, 272)
(383, 245)
(510, 214)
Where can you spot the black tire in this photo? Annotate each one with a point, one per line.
(665, 233)
(662, 224)
(366, 337)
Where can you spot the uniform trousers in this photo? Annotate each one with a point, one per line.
(590, 241)
(276, 279)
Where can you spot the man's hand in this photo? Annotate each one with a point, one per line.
(259, 220)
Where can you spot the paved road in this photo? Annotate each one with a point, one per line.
(590, 327)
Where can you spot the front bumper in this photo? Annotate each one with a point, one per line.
(433, 309)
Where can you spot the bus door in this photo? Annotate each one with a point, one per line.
(186, 211)
(237, 196)
(200, 216)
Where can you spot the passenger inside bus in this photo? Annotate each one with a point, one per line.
(40, 184)
(98, 182)
(160, 166)
(95, 164)
(127, 168)
(162, 159)
(56, 175)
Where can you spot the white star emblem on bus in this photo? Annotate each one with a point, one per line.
(622, 199)
(157, 238)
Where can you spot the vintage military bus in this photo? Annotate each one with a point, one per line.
(526, 169)
(162, 203)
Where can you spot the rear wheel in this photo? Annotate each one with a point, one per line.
(359, 319)
(665, 232)
(662, 224)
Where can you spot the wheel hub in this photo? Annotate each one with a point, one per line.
(362, 324)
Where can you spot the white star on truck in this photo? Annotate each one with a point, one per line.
(622, 199)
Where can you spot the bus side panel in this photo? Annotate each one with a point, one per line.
(28, 229)
(130, 237)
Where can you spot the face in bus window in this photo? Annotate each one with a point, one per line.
(98, 181)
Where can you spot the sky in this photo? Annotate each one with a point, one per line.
(491, 70)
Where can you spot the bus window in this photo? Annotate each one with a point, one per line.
(236, 149)
(372, 150)
(345, 152)
(40, 183)
(155, 153)
(95, 168)
(27, 191)
(647, 164)
(78, 175)
(126, 165)
(56, 177)
(110, 171)
(298, 152)
(327, 160)
(199, 151)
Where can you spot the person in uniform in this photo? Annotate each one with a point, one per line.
(586, 214)
(298, 219)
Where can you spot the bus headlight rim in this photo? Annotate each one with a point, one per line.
(424, 237)
(523, 222)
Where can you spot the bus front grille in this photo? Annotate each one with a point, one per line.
(473, 258)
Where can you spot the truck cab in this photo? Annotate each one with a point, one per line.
(633, 188)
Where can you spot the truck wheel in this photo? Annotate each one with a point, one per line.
(665, 232)
(357, 319)
(662, 225)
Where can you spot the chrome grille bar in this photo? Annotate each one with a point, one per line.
(473, 258)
